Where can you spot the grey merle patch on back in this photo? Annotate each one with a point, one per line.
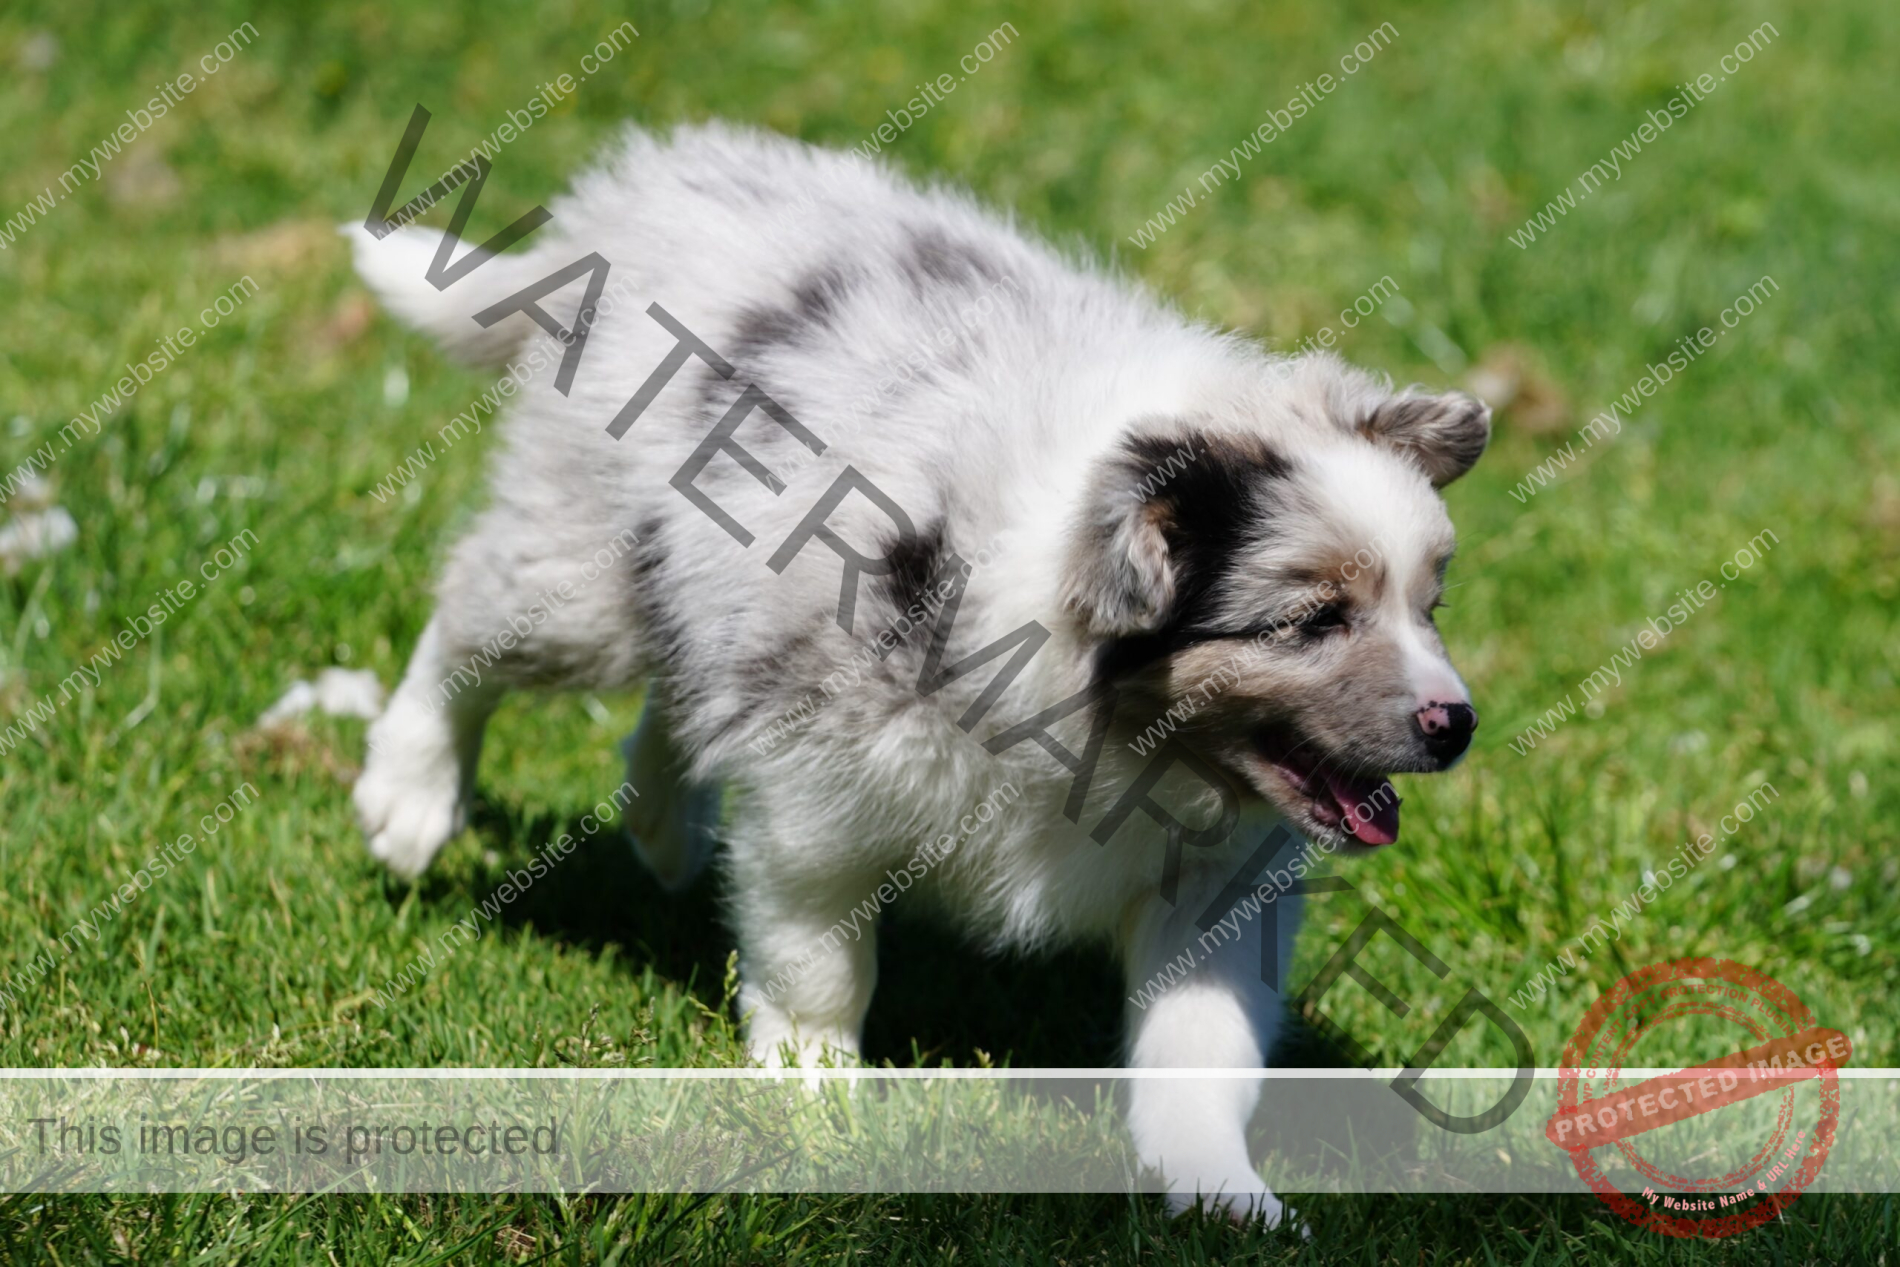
(821, 293)
(934, 258)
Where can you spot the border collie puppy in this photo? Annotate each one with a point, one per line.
(950, 564)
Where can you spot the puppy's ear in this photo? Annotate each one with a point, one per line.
(1443, 435)
(1120, 576)
(1160, 514)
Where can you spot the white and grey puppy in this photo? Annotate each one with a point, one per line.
(1147, 575)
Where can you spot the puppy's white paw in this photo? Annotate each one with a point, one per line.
(808, 1057)
(1243, 1199)
(803, 1053)
(408, 815)
(408, 800)
(776, 1042)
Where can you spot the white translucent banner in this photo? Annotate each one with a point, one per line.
(1667, 1131)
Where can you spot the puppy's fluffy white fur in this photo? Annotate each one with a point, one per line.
(1020, 408)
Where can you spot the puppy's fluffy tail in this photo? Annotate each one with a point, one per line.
(396, 267)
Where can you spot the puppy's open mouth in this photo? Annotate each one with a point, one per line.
(1363, 806)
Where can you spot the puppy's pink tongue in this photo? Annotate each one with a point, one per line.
(1369, 810)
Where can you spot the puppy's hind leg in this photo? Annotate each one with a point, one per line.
(674, 821)
(527, 600)
(413, 794)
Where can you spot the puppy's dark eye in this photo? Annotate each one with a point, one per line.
(1328, 619)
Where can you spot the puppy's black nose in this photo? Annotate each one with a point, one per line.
(1446, 728)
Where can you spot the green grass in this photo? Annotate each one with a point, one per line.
(265, 948)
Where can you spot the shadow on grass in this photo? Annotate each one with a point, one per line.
(938, 998)
(597, 897)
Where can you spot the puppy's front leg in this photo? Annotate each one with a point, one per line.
(1196, 1001)
(808, 959)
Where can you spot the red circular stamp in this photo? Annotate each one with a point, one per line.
(1700, 1175)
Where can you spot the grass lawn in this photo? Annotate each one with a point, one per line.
(268, 437)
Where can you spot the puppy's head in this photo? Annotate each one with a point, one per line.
(1265, 587)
